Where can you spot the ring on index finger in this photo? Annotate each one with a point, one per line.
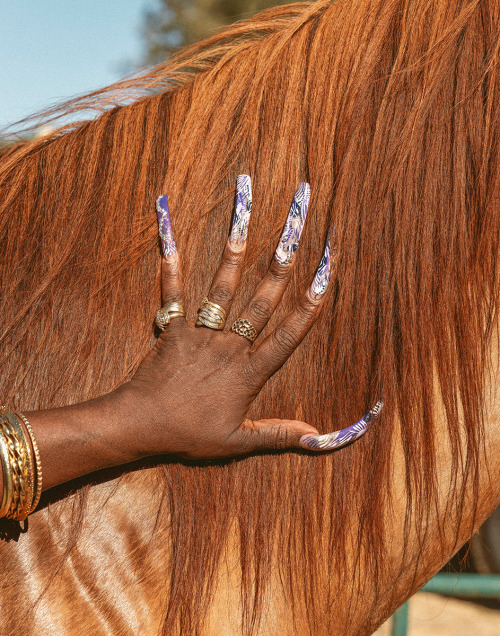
(165, 314)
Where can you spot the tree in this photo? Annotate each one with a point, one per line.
(176, 23)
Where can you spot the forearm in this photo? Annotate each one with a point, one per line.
(83, 438)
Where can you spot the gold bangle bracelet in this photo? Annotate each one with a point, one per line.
(7, 475)
(26, 500)
(21, 478)
(20, 467)
(16, 466)
(38, 463)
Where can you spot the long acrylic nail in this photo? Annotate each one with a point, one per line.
(242, 211)
(343, 437)
(322, 276)
(294, 225)
(165, 226)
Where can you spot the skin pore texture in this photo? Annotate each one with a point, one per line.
(389, 110)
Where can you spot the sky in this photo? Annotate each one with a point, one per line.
(55, 49)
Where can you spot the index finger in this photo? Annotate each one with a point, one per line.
(278, 346)
(171, 279)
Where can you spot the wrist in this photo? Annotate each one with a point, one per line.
(83, 438)
(140, 421)
(118, 415)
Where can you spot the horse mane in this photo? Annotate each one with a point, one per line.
(390, 111)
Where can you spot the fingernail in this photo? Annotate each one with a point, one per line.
(242, 211)
(322, 276)
(165, 226)
(343, 437)
(294, 225)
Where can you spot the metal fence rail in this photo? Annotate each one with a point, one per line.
(473, 585)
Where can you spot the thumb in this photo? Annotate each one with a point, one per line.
(275, 434)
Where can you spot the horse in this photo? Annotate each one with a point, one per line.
(390, 110)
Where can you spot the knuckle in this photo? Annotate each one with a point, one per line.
(307, 310)
(171, 296)
(261, 309)
(280, 273)
(252, 376)
(221, 292)
(285, 338)
(171, 268)
(233, 260)
(278, 438)
(173, 337)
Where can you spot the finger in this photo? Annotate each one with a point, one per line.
(272, 287)
(171, 279)
(227, 277)
(273, 434)
(345, 436)
(278, 346)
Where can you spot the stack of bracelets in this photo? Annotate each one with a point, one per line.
(22, 469)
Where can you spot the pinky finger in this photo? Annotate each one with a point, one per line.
(343, 437)
(171, 279)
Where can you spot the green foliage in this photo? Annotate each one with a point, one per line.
(179, 22)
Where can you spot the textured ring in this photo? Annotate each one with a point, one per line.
(244, 327)
(165, 314)
(211, 315)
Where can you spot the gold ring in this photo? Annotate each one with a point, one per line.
(211, 315)
(165, 314)
(244, 327)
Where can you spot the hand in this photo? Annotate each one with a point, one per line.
(193, 390)
(191, 393)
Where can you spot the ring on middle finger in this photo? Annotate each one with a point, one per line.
(244, 327)
(211, 315)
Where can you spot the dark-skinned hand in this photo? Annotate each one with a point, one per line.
(197, 383)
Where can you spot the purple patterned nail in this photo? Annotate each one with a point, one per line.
(320, 282)
(343, 437)
(294, 225)
(165, 226)
(242, 211)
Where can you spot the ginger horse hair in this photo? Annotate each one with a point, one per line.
(391, 110)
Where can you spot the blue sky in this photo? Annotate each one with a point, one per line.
(54, 49)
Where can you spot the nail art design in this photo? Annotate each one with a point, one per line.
(294, 225)
(343, 437)
(165, 226)
(242, 211)
(320, 282)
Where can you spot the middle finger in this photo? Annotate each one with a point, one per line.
(270, 291)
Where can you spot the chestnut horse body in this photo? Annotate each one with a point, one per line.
(391, 111)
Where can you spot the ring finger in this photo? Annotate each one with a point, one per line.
(226, 279)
